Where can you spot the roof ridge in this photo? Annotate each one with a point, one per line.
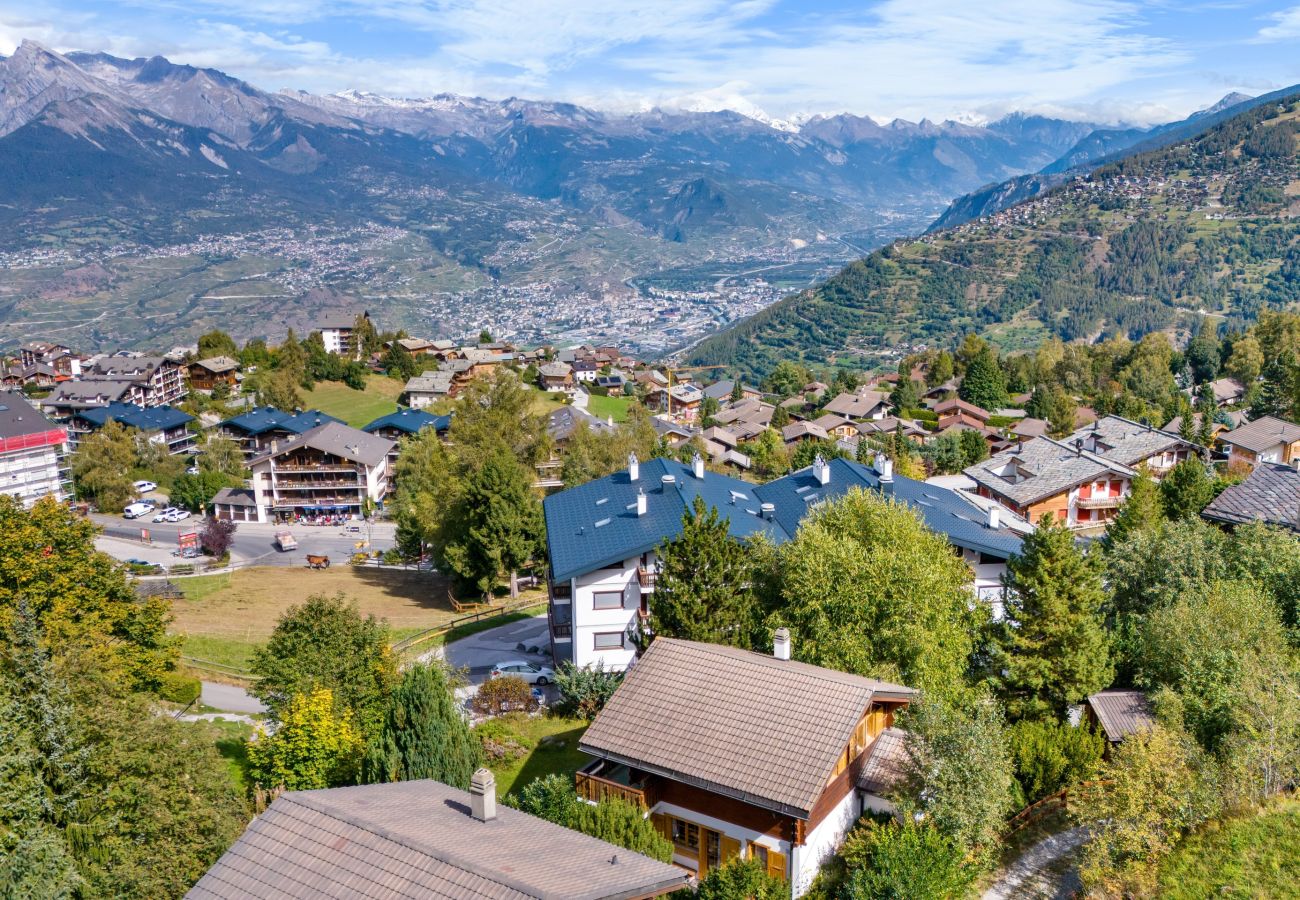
(804, 668)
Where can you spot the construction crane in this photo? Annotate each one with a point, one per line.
(672, 374)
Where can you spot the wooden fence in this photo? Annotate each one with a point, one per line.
(491, 612)
(1041, 809)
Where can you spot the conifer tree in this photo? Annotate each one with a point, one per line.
(423, 735)
(737, 391)
(1053, 648)
(1186, 490)
(984, 384)
(1140, 511)
(780, 417)
(905, 395)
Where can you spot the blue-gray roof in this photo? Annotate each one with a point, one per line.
(410, 421)
(595, 524)
(152, 418)
(268, 418)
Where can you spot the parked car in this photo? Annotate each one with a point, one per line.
(177, 515)
(284, 541)
(164, 514)
(192, 470)
(136, 510)
(144, 487)
(529, 672)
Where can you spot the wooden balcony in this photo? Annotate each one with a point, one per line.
(647, 578)
(1099, 502)
(600, 780)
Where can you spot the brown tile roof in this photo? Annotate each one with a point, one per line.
(417, 839)
(741, 724)
(1121, 713)
(1262, 434)
(956, 404)
(860, 405)
(884, 769)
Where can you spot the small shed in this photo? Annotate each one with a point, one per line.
(1120, 713)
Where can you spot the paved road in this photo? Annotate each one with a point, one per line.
(253, 541)
(229, 698)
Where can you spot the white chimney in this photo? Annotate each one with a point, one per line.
(483, 796)
(878, 463)
(633, 467)
(781, 644)
(995, 517)
(697, 466)
(821, 471)
(640, 503)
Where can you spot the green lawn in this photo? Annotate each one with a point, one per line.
(357, 408)
(604, 407)
(1255, 855)
(226, 652)
(231, 739)
(552, 743)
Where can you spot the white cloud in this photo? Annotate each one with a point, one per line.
(1286, 25)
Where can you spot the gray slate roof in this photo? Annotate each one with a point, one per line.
(884, 769)
(1045, 468)
(741, 724)
(417, 839)
(217, 364)
(338, 440)
(18, 418)
(1121, 713)
(1270, 494)
(1125, 441)
(1262, 434)
(429, 383)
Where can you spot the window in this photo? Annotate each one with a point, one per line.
(686, 834)
(758, 852)
(609, 640)
(607, 600)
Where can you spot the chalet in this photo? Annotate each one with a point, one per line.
(39, 375)
(1270, 495)
(1135, 445)
(72, 396)
(1265, 440)
(1119, 714)
(1028, 428)
(910, 428)
(33, 453)
(585, 370)
(682, 402)
(404, 423)
(672, 434)
(163, 425)
(330, 469)
(563, 422)
(798, 432)
(557, 377)
(1228, 392)
(413, 346)
(859, 406)
(61, 359)
(765, 763)
(602, 537)
(425, 390)
(957, 406)
(336, 332)
(747, 418)
(205, 374)
(254, 430)
(423, 839)
(1073, 485)
(612, 384)
(723, 447)
(836, 427)
(1224, 420)
(722, 391)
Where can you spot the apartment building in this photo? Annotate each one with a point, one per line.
(33, 453)
(330, 469)
(254, 430)
(163, 425)
(337, 330)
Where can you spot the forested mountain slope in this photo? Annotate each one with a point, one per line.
(1206, 225)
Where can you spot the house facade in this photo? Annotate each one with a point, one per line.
(1265, 440)
(767, 763)
(150, 380)
(336, 331)
(206, 374)
(602, 537)
(328, 470)
(162, 425)
(33, 453)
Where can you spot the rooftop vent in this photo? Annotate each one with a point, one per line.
(781, 644)
(668, 481)
(768, 511)
(633, 467)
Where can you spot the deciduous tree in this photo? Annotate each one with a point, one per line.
(101, 467)
(315, 746)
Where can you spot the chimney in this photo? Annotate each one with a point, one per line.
(697, 466)
(781, 644)
(633, 467)
(821, 471)
(995, 517)
(768, 510)
(640, 503)
(887, 471)
(483, 796)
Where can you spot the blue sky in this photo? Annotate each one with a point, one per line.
(1102, 60)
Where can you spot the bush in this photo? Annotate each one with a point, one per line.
(907, 860)
(585, 691)
(500, 741)
(742, 879)
(617, 821)
(1049, 755)
(216, 537)
(505, 694)
(179, 687)
(551, 797)
(393, 557)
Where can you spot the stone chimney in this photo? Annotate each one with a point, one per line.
(640, 503)
(995, 517)
(633, 467)
(697, 466)
(821, 470)
(781, 644)
(483, 796)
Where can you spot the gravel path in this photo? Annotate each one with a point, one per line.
(1044, 870)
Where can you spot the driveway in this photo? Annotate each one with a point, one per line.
(478, 653)
(228, 698)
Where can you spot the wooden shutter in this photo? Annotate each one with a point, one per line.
(730, 849)
(776, 864)
(662, 825)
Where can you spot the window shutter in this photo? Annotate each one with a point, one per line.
(776, 864)
(730, 849)
(661, 825)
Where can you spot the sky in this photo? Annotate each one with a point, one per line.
(1096, 60)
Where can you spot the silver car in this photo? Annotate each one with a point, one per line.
(533, 674)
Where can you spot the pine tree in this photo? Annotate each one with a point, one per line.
(941, 370)
(737, 391)
(1186, 490)
(1054, 649)
(703, 592)
(984, 384)
(423, 735)
(780, 417)
(905, 395)
(1141, 511)
(496, 525)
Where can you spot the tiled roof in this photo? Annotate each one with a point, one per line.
(18, 418)
(1030, 427)
(268, 418)
(742, 724)
(417, 839)
(1125, 441)
(339, 320)
(798, 430)
(1227, 390)
(217, 364)
(1041, 468)
(563, 422)
(884, 769)
(430, 383)
(86, 389)
(338, 440)
(1270, 494)
(595, 524)
(958, 405)
(555, 369)
(1121, 713)
(156, 418)
(1262, 434)
(860, 405)
(232, 496)
(410, 421)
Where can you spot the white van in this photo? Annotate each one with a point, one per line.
(136, 510)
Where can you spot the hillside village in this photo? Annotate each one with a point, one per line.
(941, 605)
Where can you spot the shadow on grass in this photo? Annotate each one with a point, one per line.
(556, 753)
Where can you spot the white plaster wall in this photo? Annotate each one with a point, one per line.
(821, 843)
(589, 621)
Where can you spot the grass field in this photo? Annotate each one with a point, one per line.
(357, 408)
(1249, 856)
(546, 402)
(604, 407)
(553, 743)
(225, 616)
